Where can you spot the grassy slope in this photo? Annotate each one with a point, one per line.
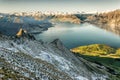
(103, 55)
(100, 50)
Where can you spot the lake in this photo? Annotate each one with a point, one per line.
(74, 35)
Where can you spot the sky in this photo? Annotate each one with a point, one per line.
(7, 6)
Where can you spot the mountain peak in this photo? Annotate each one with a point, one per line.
(21, 32)
(57, 43)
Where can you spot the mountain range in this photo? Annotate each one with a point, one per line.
(24, 57)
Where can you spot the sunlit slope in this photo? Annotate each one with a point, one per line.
(100, 50)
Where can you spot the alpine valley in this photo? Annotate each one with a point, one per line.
(35, 46)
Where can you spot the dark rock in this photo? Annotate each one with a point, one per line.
(57, 43)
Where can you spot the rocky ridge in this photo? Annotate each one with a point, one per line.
(44, 61)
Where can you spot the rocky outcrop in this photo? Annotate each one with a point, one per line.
(21, 32)
(7, 72)
(48, 61)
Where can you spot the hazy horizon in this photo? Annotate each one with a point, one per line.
(7, 6)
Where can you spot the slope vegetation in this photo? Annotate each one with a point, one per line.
(105, 56)
(100, 50)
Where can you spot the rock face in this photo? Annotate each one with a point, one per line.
(109, 21)
(20, 32)
(7, 73)
(44, 61)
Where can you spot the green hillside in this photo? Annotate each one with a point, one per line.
(102, 55)
(100, 50)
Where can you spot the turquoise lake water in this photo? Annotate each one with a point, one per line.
(73, 35)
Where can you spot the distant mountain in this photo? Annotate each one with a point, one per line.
(111, 18)
(107, 20)
(71, 18)
(66, 18)
(10, 24)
